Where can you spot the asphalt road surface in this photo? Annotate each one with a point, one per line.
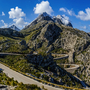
(26, 80)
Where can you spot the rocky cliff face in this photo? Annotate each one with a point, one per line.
(49, 36)
(43, 61)
(52, 36)
(46, 62)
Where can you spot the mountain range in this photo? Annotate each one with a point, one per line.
(56, 19)
(46, 35)
(44, 16)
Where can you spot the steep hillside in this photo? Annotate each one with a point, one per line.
(51, 36)
(10, 32)
(47, 35)
(42, 67)
(12, 41)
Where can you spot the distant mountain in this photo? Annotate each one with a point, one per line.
(44, 16)
(10, 32)
(14, 28)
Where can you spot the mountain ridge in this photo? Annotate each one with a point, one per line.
(45, 16)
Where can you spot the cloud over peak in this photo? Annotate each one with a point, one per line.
(20, 22)
(44, 6)
(65, 19)
(18, 16)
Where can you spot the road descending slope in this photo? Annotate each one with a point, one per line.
(21, 78)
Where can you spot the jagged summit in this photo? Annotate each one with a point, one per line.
(41, 17)
(44, 16)
(14, 28)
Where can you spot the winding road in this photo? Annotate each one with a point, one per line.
(26, 80)
(60, 56)
(4, 53)
(71, 69)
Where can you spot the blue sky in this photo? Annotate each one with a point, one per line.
(22, 12)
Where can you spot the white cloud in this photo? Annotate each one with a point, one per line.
(84, 27)
(5, 25)
(70, 12)
(16, 13)
(2, 21)
(89, 25)
(84, 15)
(62, 9)
(44, 6)
(19, 22)
(3, 14)
(65, 19)
(18, 17)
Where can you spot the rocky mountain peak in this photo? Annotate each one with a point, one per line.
(14, 28)
(41, 17)
(44, 16)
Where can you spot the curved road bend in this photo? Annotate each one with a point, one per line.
(61, 56)
(21, 78)
(71, 69)
(4, 53)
